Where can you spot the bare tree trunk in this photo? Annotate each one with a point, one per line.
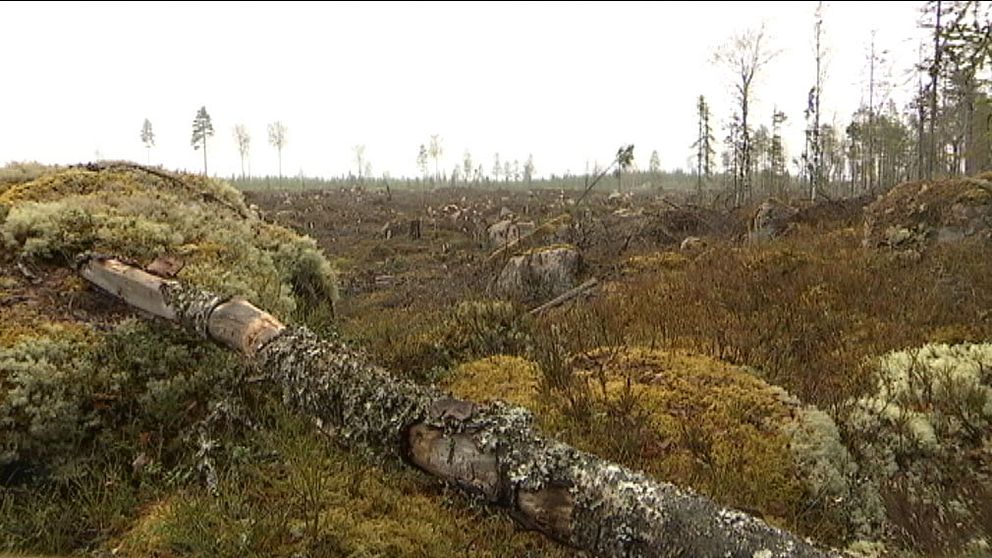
(871, 116)
(745, 151)
(921, 163)
(934, 83)
(490, 452)
(817, 177)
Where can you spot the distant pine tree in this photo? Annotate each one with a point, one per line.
(148, 138)
(202, 129)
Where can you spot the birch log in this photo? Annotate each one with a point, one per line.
(491, 452)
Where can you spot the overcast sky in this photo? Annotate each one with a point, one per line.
(566, 82)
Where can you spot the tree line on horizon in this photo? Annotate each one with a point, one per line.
(945, 130)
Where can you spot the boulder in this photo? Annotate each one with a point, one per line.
(913, 215)
(771, 220)
(539, 274)
(503, 232)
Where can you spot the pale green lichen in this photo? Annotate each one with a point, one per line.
(928, 401)
(360, 403)
(928, 425)
(192, 306)
(142, 213)
(832, 475)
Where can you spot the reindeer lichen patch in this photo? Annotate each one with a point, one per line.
(925, 432)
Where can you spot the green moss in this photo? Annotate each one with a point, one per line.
(709, 425)
(506, 378)
(21, 324)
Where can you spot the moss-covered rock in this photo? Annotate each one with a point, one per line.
(539, 273)
(915, 214)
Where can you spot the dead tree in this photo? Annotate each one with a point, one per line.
(491, 452)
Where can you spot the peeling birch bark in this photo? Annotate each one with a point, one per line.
(491, 452)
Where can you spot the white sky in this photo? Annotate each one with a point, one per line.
(568, 82)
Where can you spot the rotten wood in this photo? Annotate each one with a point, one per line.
(239, 325)
(166, 266)
(134, 286)
(492, 452)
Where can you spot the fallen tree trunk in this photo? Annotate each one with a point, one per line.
(565, 297)
(491, 452)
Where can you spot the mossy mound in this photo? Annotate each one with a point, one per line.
(141, 214)
(711, 425)
(86, 392)
(915, 214)
(54, 367)
(693, 421)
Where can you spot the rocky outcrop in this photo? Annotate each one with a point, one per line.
(772, 219)
(539, 274)
(502, 233)
(914, 215)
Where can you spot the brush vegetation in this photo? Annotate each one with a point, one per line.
(839, 391)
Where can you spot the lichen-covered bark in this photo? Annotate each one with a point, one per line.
(192, 306)
(361, 404)
(492, 452)
(608, 509)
